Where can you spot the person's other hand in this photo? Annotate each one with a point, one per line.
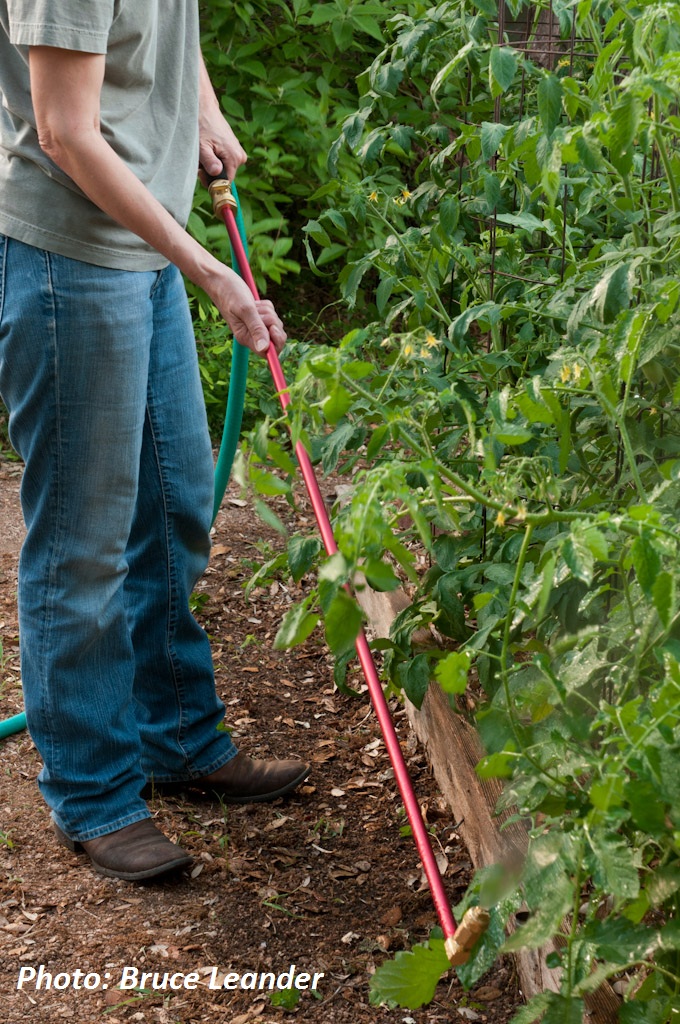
(255, 324)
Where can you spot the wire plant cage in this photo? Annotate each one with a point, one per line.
(563, 70)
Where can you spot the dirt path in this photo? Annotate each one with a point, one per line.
(324, 881)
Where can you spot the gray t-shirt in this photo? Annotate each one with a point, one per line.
(149, 115)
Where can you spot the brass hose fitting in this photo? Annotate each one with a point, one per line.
(220, 193)
(474, 923)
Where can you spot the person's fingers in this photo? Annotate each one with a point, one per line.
(271, 319)
(216, 158)
(250, 330)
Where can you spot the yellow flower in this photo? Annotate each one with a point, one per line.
(424, 353)
(521, 513)
(565, 374)
(431, 341)
(577, 370)
(500, 519)
(373, 198)
(408, 349)
(405, 194)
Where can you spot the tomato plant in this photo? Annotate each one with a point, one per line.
(506, 229)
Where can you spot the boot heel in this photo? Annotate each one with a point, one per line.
(70, 844)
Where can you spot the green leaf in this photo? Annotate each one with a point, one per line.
(280, 457)
(446, 71)
(343, 621)
(414, 678)
(357, 369)
(314, 229)
(336, 404)
(545, 591)
(298, 623)
(527, 221)
(548, 889)
(451, 618)
(411, 978)
(646, 562)
(663, 595)
(380, 575)
(497, 766)
(618, 940)
(288, 998)
(549, 102)
(579, 557)
(301, 554)
(564, 1010)
(612, 292)
(534, 1009)
(614, 864)
(335, 444)
(487, 7)
(625, 121)
(267, 483)
(449, 214)
(597, 543)
(663, 884)
(268, 516)
(545, 920)
(646, 807)
(491, 134)
(502, 69)
(607, 793)
(512, 435)
(551, 164)
(377, 440)
(452, 672)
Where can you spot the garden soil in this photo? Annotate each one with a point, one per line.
(326, 880)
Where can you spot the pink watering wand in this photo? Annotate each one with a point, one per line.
(458, 942)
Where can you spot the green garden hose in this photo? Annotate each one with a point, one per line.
(237, 392)
(12, 725)
(230, 438)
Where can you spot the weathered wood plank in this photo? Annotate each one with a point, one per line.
(454, 749)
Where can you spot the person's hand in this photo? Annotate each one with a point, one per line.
(219, 149)
(255, 324)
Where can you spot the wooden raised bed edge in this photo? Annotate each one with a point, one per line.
(453, 750)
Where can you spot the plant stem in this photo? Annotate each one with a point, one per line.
(665, 160)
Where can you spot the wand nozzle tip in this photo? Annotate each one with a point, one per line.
(474, 923)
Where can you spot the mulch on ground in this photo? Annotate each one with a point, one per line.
(324, 881)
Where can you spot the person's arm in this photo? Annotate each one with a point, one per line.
(65, 89)
(219, 147)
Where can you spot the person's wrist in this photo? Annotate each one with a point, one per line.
(208, 272)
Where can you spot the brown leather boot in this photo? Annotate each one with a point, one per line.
(241, 781)
(246, 781)
(134, 853)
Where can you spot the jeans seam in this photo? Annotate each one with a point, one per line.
(47, 623)
(172, 597)
(3, 271)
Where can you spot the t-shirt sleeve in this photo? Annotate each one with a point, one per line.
(67, 24)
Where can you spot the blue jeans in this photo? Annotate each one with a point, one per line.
(99, 373)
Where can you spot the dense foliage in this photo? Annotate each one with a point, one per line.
(506, 231)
